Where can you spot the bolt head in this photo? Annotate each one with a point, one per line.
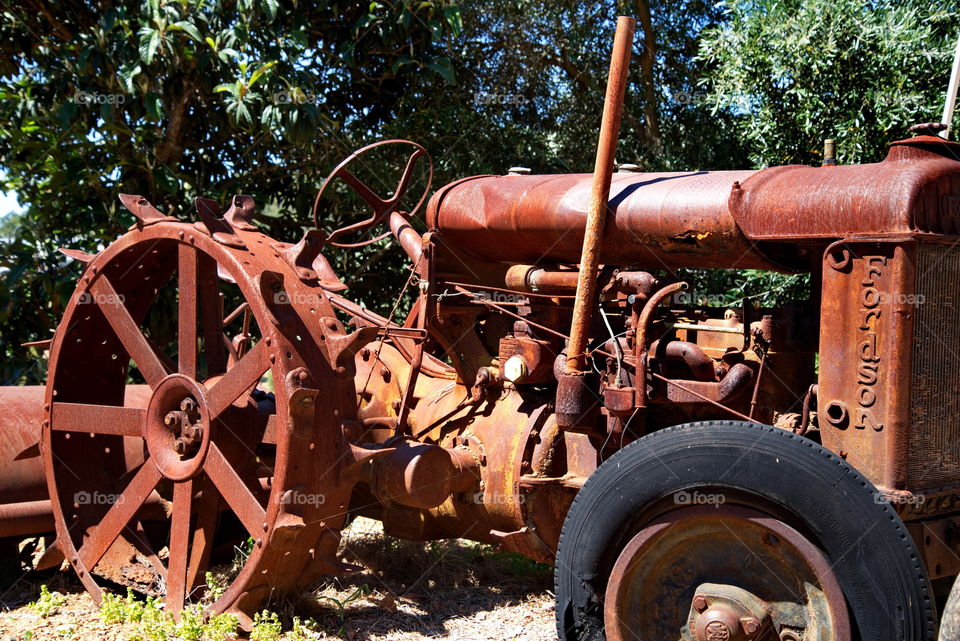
(750, 625)
(699, 603)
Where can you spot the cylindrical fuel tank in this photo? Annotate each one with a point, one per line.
(780, 217)
(656, 219)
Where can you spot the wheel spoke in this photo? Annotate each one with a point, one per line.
(208, 512)
(127, 330)
(188, 307)
(404, 183)
(208, 291)
(235, 491)
(97, 419)
(179, 546)
(119, 514)
(241, 377)
(362, 190)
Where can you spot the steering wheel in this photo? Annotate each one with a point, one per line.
(382, 207)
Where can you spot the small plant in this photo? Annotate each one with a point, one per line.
(216, 586)
(114, 609)
(221, 628)
(341, 604)
(49, 602)
(303, 630)
(190, 626)
(156, 624)
(266, 627)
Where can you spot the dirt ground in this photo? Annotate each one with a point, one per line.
(407, 592)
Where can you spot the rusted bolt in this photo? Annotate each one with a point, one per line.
(385, 374)
(750, 625)
(699, 603)
(837, 414)
(395, 405)
(365, 353)
(188, 404)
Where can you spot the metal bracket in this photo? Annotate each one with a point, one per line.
(218, 228)
(146, 213)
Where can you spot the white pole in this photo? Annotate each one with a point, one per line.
(951, 95)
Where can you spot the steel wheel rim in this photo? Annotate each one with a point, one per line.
(653, 591)
(263, 515)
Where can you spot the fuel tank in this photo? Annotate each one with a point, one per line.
(779, 218)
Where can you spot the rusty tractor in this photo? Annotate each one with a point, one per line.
(693, 472)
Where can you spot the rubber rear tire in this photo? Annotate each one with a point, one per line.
(872, 554)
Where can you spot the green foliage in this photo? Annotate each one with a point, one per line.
(150, 622)
(178, 99)
(49, 603)
(116, 609)
(175, 99)
(266, 627)
(800, 71)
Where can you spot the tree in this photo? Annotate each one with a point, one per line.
(174, 99)
(800, 71)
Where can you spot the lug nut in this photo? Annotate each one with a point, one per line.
(750, 625)
(699, 603)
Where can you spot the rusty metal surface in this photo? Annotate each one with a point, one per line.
(201, 423)
(657, 220)
(463, 420)
(913, 190)
(887, 394)
(599, 196)
(683, 577)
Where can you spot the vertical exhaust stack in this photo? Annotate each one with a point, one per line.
(599, 199)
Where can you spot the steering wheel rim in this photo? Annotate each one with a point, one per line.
(382, 207)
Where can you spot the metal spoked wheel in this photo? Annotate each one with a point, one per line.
(201, 449)
(730, 531)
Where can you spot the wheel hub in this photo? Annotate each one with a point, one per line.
(178, 427)
(727, 613)
(723, 574)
